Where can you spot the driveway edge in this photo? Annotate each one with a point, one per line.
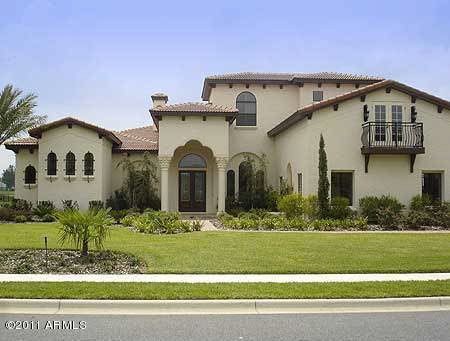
(198, 307)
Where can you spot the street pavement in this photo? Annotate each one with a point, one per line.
(339, 326)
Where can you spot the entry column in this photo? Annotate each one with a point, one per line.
(222, 163)
(164, 163)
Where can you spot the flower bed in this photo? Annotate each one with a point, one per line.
(158, 222)
(34, 261)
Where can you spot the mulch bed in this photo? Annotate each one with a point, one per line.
(34, 261)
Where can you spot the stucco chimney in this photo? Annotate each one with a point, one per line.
(159, 99)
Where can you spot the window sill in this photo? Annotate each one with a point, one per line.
(51, 177)
(70, 177)
(88, 177)
(30, 186)
(246, 127)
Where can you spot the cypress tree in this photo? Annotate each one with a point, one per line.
(324, 184)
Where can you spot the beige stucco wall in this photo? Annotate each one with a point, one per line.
(24, 158)
(212, 133)
(79, 141)
(388, 174)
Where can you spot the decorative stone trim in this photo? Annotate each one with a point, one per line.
(222, 162)
(164, 161)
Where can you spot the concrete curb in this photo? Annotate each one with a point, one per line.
(197, 307)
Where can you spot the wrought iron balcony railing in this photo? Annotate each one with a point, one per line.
(392, 137)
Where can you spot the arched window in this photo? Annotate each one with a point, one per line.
(88, 164)
(192, 161)
(230, 183)
(70, 163)
(51, 163)
(246, 104)
(245, 176)
(30, 175)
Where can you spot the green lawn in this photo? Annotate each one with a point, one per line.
(154, 291)
(262, 252)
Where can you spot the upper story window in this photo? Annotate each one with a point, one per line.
(30, 175)
(70, 163)
(246, 104)
(51, 163)
(88, 164)
(317, 96)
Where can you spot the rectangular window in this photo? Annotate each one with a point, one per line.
(342, 185)
(397, 118)
(380, 123)
(300, 183)
(317, 96)
(432, 185)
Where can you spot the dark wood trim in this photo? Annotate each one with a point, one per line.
(281, 86)
(336, 107)
(392, 151)
(247, 86)
(356, 85)
(300, 85)
(338, 85)
(264, 86)
(230, 86)
(309, 115)
(319, 85)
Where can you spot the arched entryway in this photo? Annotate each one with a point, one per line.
(192, 183)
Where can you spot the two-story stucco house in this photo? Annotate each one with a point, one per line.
(382, 137)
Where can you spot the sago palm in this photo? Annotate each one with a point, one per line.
(17, 113)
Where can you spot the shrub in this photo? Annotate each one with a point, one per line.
(44, 208)
(21, 205)
(340, 208)
(118, 215)
(370, 205)
(83, 228)
(96, 205)
(118, 201)
(157, 222)
(69, 205)
(20, 218)
(420, 202)
(388, 218)
(48, 218)
(196, 225)
(418, 218)
(7, 214)
(292, 205)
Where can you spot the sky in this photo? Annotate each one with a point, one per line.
(101, 60)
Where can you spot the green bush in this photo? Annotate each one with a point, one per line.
(370, 205)
(292, 205)
(340, 209)
(96, 205)
(7, 214)
(118, 215)
(69, 205)
(20, 218)
(118, 201)
(44, 208)
(157, 222)
(420, 202)
(48, 218)
(416, 219)
(21, 205)
(389, 219)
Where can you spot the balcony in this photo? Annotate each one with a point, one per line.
(392, 138)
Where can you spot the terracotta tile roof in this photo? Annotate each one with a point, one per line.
(23, 142)
(138, 139)
(191, 107)
(283, 78)
(303, 112)
(37, 132)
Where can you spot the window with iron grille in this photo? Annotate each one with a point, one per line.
(70, 163)
(51, 164)
(88, 164)
(300, 183)
(317, 96)
(30, 175)
(246, 104)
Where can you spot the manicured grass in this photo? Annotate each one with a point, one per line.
(174, 291)
(262, 252)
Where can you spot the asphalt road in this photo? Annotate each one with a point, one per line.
(374, 326)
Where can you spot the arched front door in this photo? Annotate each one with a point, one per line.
(192, 184)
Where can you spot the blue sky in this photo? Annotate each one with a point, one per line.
(101, 60)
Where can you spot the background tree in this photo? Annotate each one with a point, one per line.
(140, 184)
(324, 184)
(17, 113)
(8, 177)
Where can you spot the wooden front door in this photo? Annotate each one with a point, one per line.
(192, 191)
